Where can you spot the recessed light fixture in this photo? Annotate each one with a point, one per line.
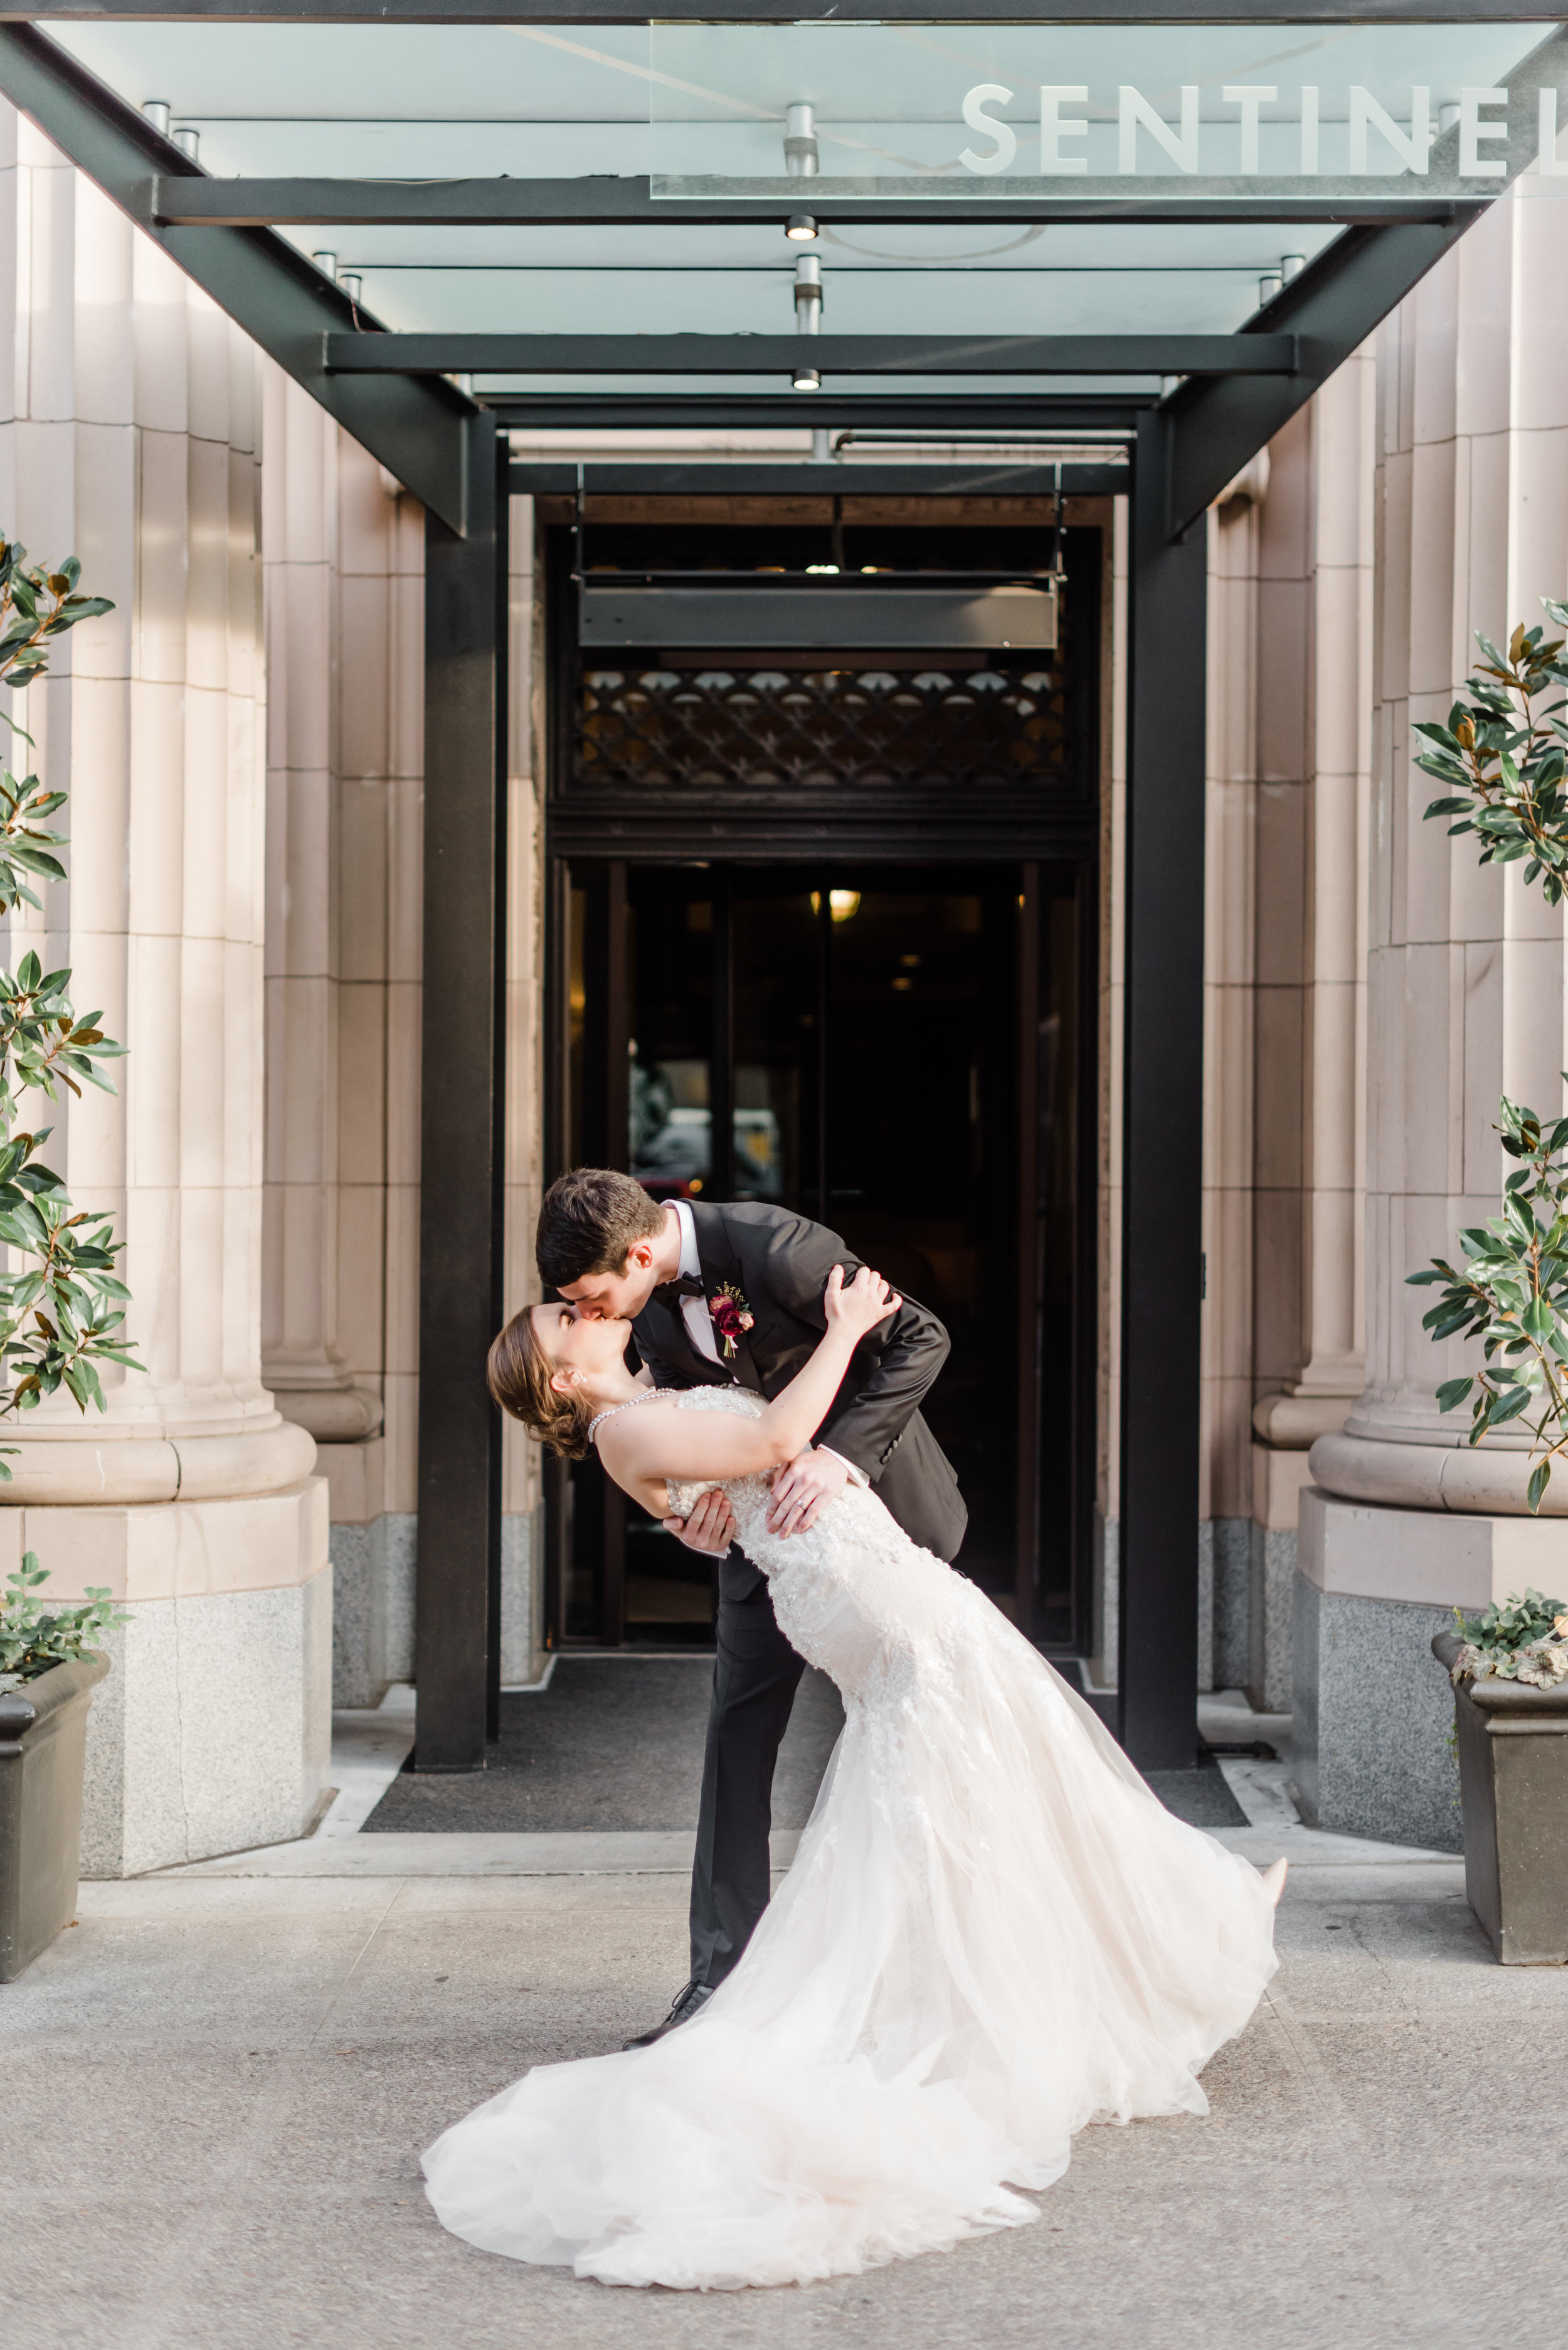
(800, 228)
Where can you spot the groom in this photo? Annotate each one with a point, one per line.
(724, 1295)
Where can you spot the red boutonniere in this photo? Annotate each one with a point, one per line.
(731, 1318)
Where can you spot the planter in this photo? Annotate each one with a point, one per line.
(1513, 1786)
(43, 1749)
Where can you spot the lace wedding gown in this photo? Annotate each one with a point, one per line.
(992, 1934)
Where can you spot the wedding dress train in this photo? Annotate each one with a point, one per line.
(992, 1934)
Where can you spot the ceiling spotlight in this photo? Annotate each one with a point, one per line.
(188, 142)
(156, 110)
(806, 379)
(800, 228)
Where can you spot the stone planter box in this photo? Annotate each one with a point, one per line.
(1513, 1788)
(43, 1749)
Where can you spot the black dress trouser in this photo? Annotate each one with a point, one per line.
(755, 1676)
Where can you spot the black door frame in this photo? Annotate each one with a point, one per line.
(1047, 850)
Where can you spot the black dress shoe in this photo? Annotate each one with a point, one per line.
(688, 2001)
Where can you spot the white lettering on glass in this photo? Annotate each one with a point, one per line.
(1054, 130)
(984, 94)
(1250, 97)
(1550, 163)
(1472, 130)
(1309, 129)
(1135, 108)
(1412, 148)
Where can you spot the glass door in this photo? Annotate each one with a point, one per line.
(894, 1052)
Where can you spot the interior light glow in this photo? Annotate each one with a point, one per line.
(800, 228)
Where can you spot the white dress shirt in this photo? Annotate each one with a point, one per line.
(699, 1321)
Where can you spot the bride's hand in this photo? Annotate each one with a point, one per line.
(858, 1305)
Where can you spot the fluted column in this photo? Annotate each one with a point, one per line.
(1314, 756)
(1466, 981)
(135, 444)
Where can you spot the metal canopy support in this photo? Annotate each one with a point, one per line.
(1220, 426)
(416, 429)
(602, 201)
(779, 355)
(1013, 478)
(1133, 13)
(938, 416)
(1162, 1128)
(457, 1670)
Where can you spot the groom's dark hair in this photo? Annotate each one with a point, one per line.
(590, 1217)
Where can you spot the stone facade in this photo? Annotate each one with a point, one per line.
(243, 740)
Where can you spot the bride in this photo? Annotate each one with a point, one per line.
(992, 1934)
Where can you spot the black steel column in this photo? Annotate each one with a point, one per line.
(1162, 1121)
(457, 1665)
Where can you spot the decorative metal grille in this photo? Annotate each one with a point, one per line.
(746, 730)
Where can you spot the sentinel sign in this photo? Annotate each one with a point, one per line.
(1389, 111)
(1370, 138)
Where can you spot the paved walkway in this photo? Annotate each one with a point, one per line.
(217, 2084)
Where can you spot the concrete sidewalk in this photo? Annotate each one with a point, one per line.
(218, 2081)
(216, 2091)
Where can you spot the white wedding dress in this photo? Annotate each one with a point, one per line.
(992, 1934)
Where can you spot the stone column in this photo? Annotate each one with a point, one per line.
(134, 443)
(1313, 752)
(1466, 1001)
(345, 583)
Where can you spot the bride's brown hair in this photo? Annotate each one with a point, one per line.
(518, 1374)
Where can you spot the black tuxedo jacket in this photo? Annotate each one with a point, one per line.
(779, 1262)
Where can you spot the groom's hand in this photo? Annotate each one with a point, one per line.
(710, 1527)
(801, 1489)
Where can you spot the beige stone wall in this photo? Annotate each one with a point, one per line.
(131, 437)
(343, 551)
(1289, 694)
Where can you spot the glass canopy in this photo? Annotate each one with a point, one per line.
(776, 117)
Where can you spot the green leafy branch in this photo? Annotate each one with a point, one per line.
(1505, 761)
(34, 1638)
(1513, 1295)
(61, 1303)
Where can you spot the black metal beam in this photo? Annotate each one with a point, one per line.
(941, 415)
(1162, 1123)
(600, 200)
(879, 355)
(1333, 306)
(683, 479)
(1131, 13)
(460, 1121)
(416, 429)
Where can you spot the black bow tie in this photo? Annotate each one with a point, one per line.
(687, 1285)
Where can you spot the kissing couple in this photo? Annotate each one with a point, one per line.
(993, 1932)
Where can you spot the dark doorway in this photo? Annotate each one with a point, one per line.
(827, 935)
(846, 1040)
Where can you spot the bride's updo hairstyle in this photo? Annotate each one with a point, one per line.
(518, 1374)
